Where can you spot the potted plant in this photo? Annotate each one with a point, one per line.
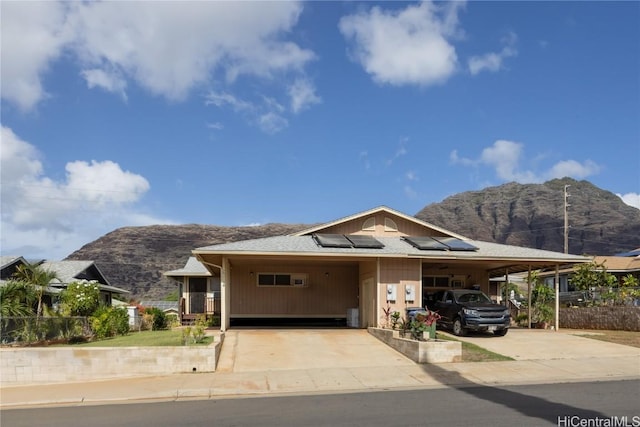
(424, 322)
(541, 299)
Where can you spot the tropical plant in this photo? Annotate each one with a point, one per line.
(542, 297)
(81, 298)
(109, 321)
(387, 313)
(423, 322)
(36, 276)
(16, 299)
(395, 318)
(592, 275)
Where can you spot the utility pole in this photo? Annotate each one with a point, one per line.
(566, 220)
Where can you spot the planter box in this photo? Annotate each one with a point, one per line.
(432, 351)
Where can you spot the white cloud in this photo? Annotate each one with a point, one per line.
(506, 158)
(56, 217)
(573, 169)
(33, 34)
(167, 48)
(303, 94)
(631, 199)
(405, 47)
(272, 122)
(493, 61)
(111, 82)
(171, 47)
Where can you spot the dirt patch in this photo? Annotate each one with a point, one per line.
(629, 338)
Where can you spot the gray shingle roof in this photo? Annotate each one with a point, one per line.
(393, 247)
(192, 268)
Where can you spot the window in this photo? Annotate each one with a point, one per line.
(282, 279)
(436, 281)
(390, 225)
(369, 225)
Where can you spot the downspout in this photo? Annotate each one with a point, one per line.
(557, 281)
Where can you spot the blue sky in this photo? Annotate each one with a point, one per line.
(135, 113)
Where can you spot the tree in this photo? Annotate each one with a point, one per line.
(38, 278)
(81, 298)
(16, 299)
(592, 275)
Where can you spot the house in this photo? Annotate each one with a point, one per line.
(352, 267)
(66, 272)
(619, 266)
(72, 271)
(199, 291)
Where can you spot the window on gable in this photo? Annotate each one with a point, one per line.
(369, 225)
(390, 225)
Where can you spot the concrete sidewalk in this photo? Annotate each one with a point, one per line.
(555, 357)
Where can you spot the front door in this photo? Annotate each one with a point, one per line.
(197, 294)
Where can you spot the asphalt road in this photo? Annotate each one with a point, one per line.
(569, 405)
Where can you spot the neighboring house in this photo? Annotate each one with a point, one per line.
(9, 265)
(619, 266)
(66, 272)
(360, 263)
(199, 291)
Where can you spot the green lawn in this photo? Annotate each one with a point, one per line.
(474, 353)
(144, 339)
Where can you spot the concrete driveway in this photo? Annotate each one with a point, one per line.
(253, 350)
(538, 344)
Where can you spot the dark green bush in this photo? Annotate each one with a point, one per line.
(160, 320)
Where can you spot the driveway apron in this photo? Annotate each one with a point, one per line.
(253, 350)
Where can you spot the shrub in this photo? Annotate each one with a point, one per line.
(81, 298)
(109, 321)
(160, 320)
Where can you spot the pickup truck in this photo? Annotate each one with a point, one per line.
(464, 310)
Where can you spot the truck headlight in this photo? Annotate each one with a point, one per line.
(470, 312)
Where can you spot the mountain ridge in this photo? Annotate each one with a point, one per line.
(530, 215)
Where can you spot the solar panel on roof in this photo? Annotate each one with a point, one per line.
(360, 241)
(332, 240)
(425, 243)
(456, 244)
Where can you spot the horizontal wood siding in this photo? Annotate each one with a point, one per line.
(324, 295)
(405, 228)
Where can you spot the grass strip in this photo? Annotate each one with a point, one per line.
(474, 353)
(144, 339)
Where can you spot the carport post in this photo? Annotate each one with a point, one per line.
(529, 297)
(557, 283)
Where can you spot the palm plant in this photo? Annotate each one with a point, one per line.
(16, 299)
(38, 278)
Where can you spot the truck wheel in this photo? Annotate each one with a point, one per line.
(458, 329)
(501, 332)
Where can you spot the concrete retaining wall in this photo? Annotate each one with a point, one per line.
(610, 318)
(38, 365)
(433, 351)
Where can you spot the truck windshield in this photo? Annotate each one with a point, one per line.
(474, 297)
